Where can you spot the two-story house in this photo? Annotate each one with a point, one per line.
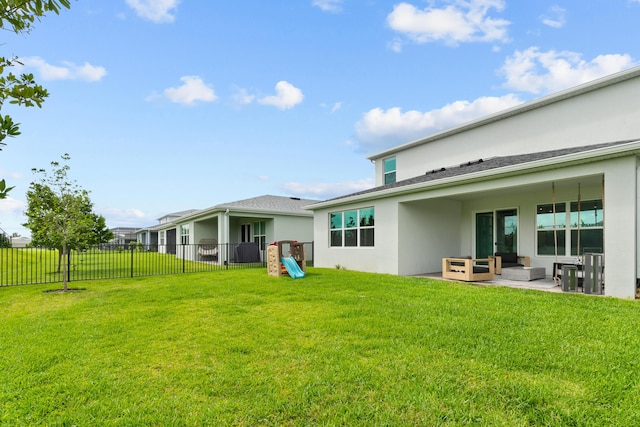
(551, 179)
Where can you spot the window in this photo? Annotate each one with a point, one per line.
(260, 234)
(162, 237)
(184, 234)
(390, 170)
(352, 228)
(245, 233)
(545, 225)
(588, 237)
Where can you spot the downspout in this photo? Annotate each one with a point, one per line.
(226, 226)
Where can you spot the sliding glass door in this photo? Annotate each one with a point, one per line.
(484, 234)
(496, 231)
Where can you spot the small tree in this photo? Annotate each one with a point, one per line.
(60, 214)
(19, 17)
(5, 241)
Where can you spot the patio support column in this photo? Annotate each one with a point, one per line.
(620, 227)
(223, 237)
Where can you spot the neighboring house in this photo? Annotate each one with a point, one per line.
(260, 220)
(122, 236)
(490, 185)
(148, 236)
(20, 242)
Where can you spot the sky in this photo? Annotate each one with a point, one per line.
(169, 105)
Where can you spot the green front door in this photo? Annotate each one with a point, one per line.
(496, 231)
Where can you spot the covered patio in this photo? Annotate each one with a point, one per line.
(547, 284)
(550, 222)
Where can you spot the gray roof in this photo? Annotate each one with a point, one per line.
(480, 165)
(269, 203)
(179, 213)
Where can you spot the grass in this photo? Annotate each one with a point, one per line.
(335, 348)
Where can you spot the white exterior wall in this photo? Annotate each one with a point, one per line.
(291, 228)
(204, 230)
(620, 216)
(414, 232)
(429, 231)
(381, 258)
(608, 114)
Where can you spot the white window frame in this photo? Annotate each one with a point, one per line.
(387, 173)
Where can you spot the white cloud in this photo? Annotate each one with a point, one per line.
(396, 44)
(462, 21)
(538, 72)
(127, 217)
(66, 71)
(192, 90)
(327, 190)
(334, 6)
(379, 129)
(556, 19)
(10, 205)
(242, 96)
(332, 108)
(12, 217)
(287, 96)
(157, 11)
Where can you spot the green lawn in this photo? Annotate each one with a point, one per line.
(334, 348)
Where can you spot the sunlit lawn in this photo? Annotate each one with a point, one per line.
(334, 348)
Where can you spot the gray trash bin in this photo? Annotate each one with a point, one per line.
(593, 274)
(569, 278)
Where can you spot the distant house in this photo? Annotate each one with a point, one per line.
(552, 179)
(259, 220)
(148, 236)
(122, 236)
(20, 242)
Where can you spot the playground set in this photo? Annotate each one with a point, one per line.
(295, 265)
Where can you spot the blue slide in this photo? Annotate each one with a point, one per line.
(292, 267)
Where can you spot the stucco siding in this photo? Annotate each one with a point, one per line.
(291, 228)
(381, 258)
(433, 224)
(620, 228)
(429, 230)
(605, 115)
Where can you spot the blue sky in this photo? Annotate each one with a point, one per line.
(168, 105)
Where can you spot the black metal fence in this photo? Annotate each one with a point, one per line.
(23, 266)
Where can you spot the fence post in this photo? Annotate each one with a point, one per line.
(68, 265)
(183, 266)
(131, 249)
